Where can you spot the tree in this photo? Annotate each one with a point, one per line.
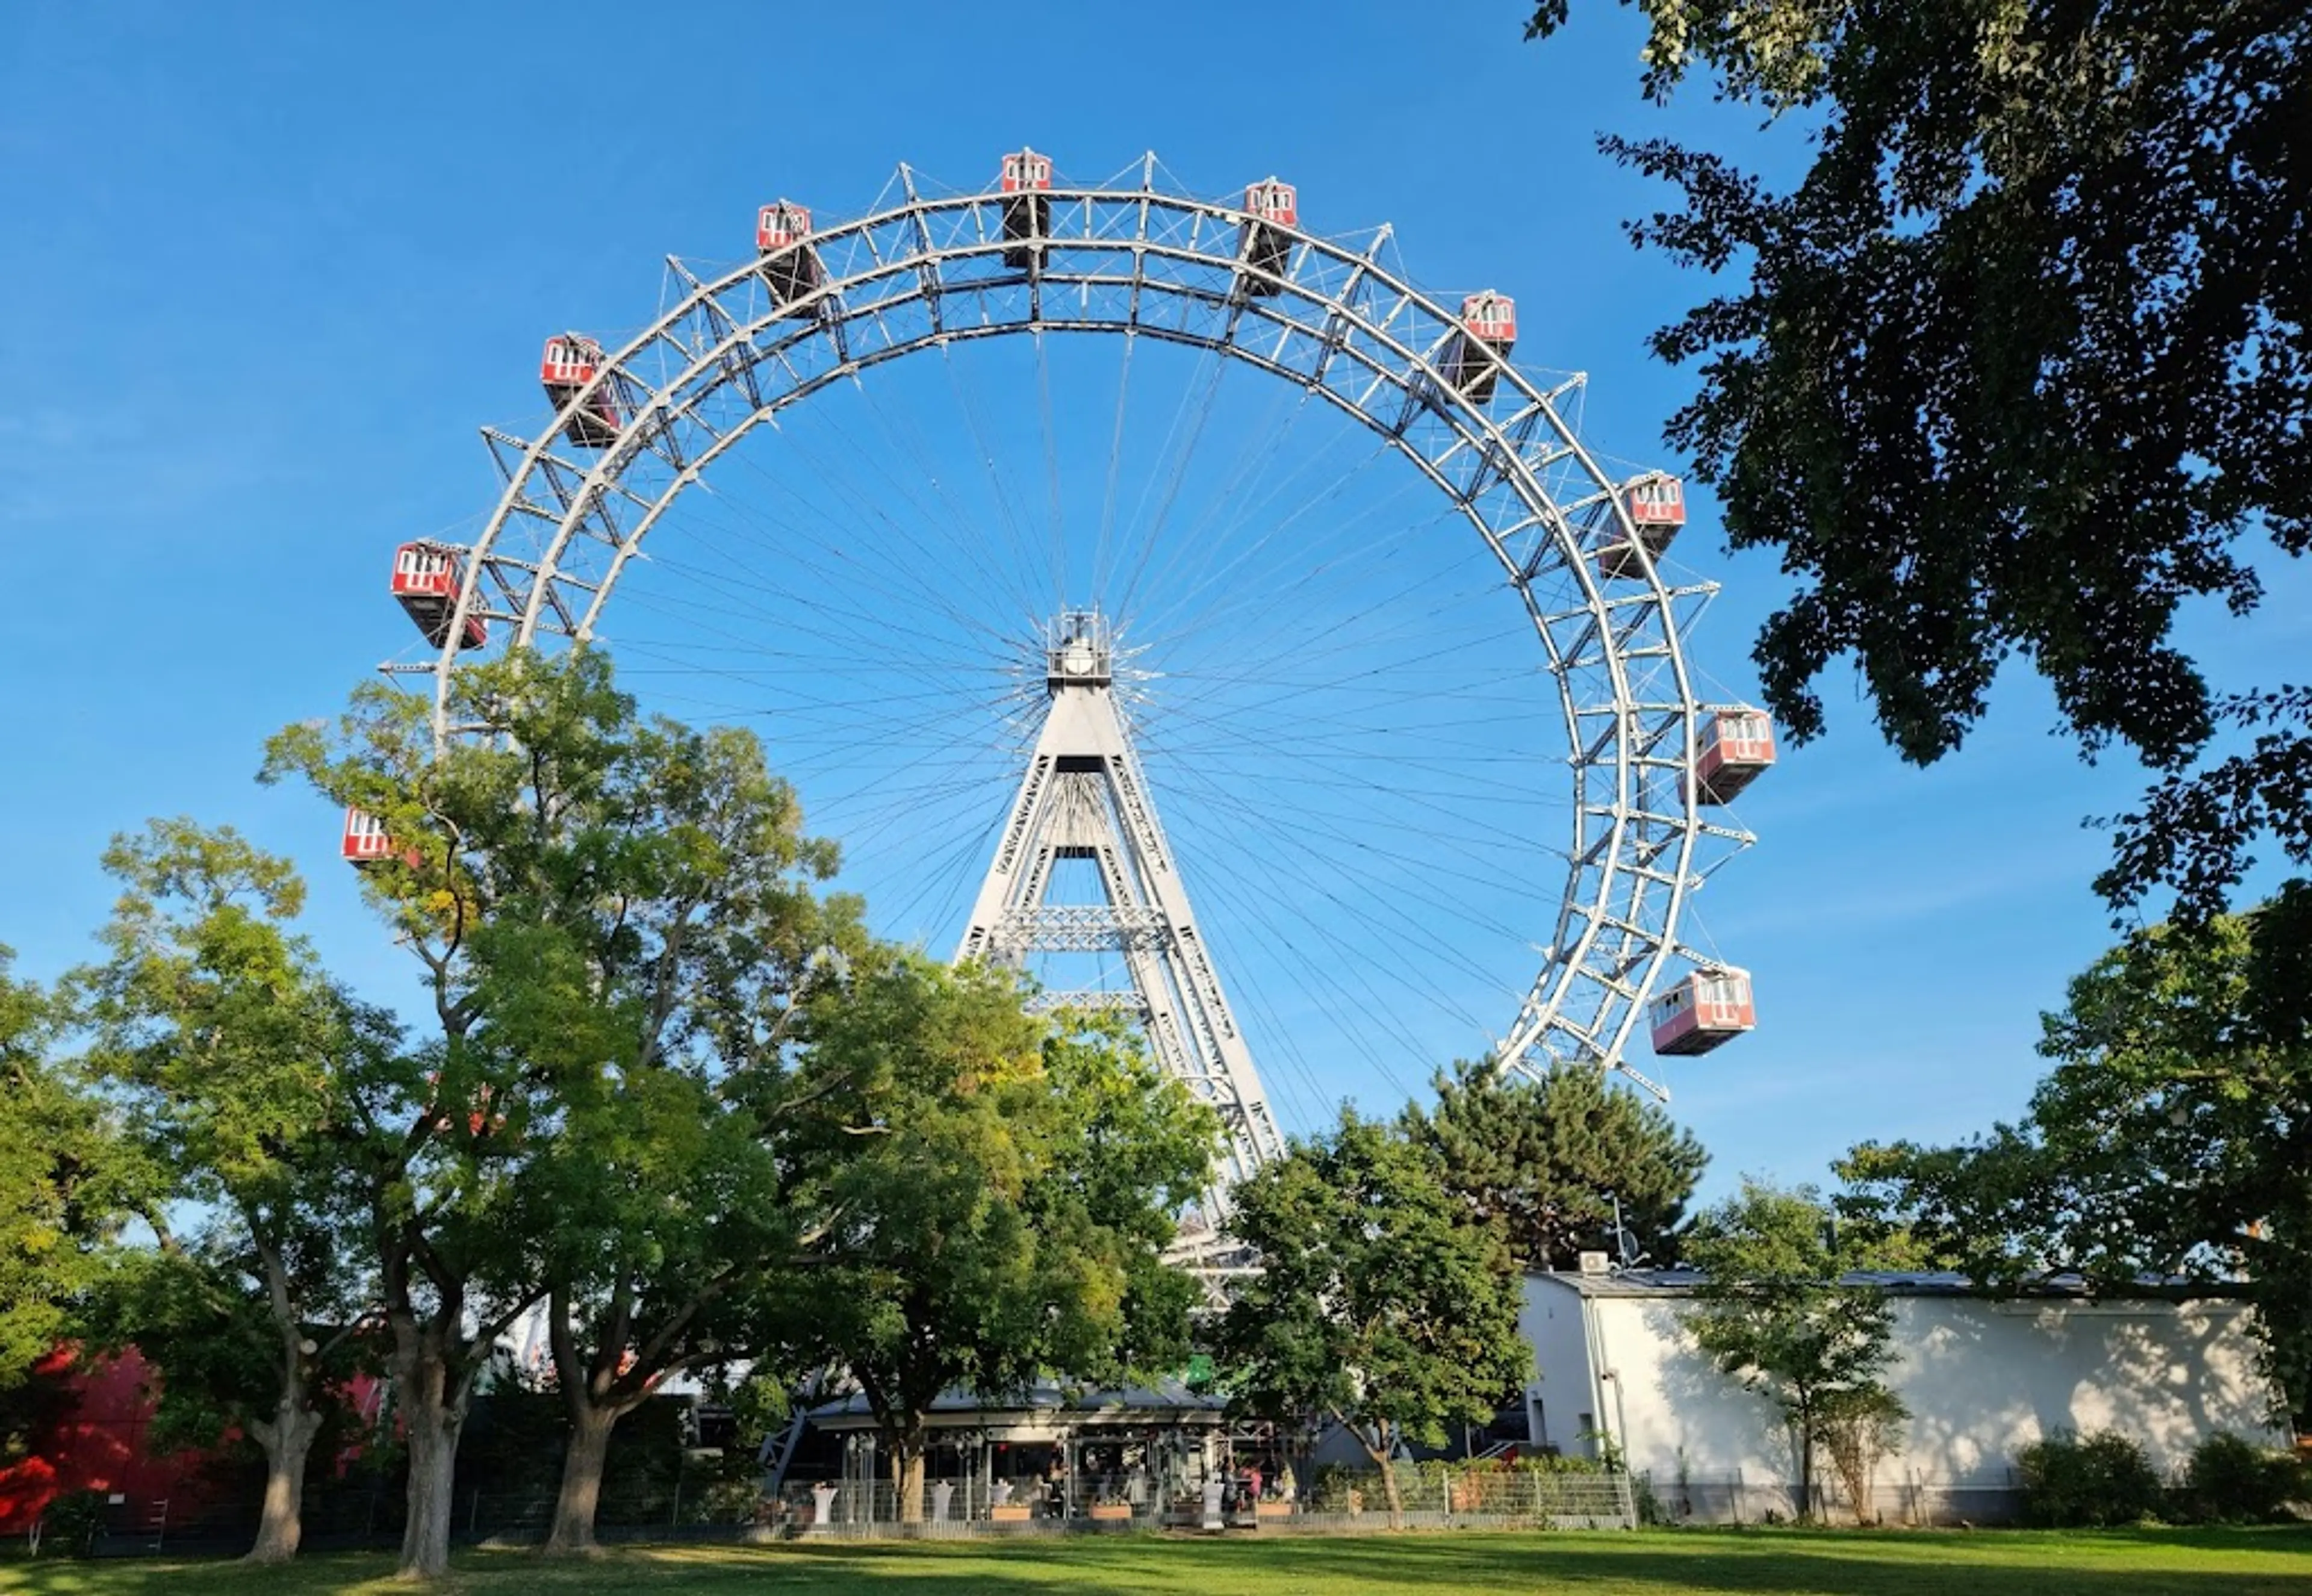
(2019, 365)
(641, 952)
(1548, 1160)
(615, 915)
(226, 1049)
(1777, 1313)
(998, 1191)
(60, 1180)
(1381, 1302)
(2171, 1141)
(442, 1127)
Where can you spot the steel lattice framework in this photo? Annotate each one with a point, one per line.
(1335, 318)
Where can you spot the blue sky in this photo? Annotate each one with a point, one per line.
(268, 268)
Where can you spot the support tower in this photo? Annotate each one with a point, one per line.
(1083, 798)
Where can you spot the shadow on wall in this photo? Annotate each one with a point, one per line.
(1985, 1379)
(1720, 1430)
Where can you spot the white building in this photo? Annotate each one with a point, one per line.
(1982, 1378)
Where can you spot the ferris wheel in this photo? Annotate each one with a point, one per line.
(1101, 531)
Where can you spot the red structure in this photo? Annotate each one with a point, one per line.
(1270, 207)
(365, 839)
(1487, 333)
(1656, 502)
(790, 265)
(99, 1443)
(425, 578)
(571, 361)
(1024, 179)
(1737, 748)
(1707, 1009)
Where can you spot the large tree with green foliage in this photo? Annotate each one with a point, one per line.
(60, 1179)
(616, 915)
(997, 1191)
(650, 923)
(1777, 1311)
(475, 844)
(1381, 1303)
(1548, 1160)
(2171, 1138)
(227, 1052)
(2019, 365)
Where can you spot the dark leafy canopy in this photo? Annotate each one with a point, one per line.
(1382, 1302)
(2173, 1136)
(1546, 1160)
(2020, 365)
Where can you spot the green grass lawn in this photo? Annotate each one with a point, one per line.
(2121, 1563)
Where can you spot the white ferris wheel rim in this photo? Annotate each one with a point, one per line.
(1334, 320)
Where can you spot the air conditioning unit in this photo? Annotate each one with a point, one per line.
(1594, 1263)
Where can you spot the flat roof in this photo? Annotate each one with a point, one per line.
(1165, 1401)
(1896, 1283)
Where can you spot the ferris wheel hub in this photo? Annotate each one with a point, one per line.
(1079, 651)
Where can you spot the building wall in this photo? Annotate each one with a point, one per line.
(1562, 1399)
(1981, 1379)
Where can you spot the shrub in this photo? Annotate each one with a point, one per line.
(2086, 1481)
(2229, 1480)
(72, 1522)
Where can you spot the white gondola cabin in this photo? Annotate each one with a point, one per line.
(1737, 746)
(1270, 208)
(571, 361)
(1026, 179)
(1656, 502)
(1708, 1008)
(1488, 331)
(426, 579)
(789, 264)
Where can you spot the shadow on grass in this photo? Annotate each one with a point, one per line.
(2157, 1563)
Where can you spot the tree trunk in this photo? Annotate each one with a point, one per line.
(907, 1457)
(287, 1439)
(1806, 1466)
(431, 1417)
(581, 1497)
(1378, 1450)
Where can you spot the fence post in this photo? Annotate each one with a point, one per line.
(474, 1512)
(1739, 1491)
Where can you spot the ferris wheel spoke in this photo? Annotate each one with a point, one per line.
(1290, 850)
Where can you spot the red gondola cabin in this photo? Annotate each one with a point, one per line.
(1657, 505)
(790, 265)
(571, 361)
(1488, 331)
(426, 577)
(366, 842)
(1737, 748)
(1025, 179)
(1706, 1008)
(1270, 207)
(365, 839)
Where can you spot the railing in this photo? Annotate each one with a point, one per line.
(1472, 1499)
(1915, 1503)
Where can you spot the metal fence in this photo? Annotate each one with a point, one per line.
(1351, 1503)
(1911, 1501)
(1476, 1499)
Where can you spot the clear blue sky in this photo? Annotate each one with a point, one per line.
(265, 269)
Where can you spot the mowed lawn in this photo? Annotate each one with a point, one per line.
(2126, 1563)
